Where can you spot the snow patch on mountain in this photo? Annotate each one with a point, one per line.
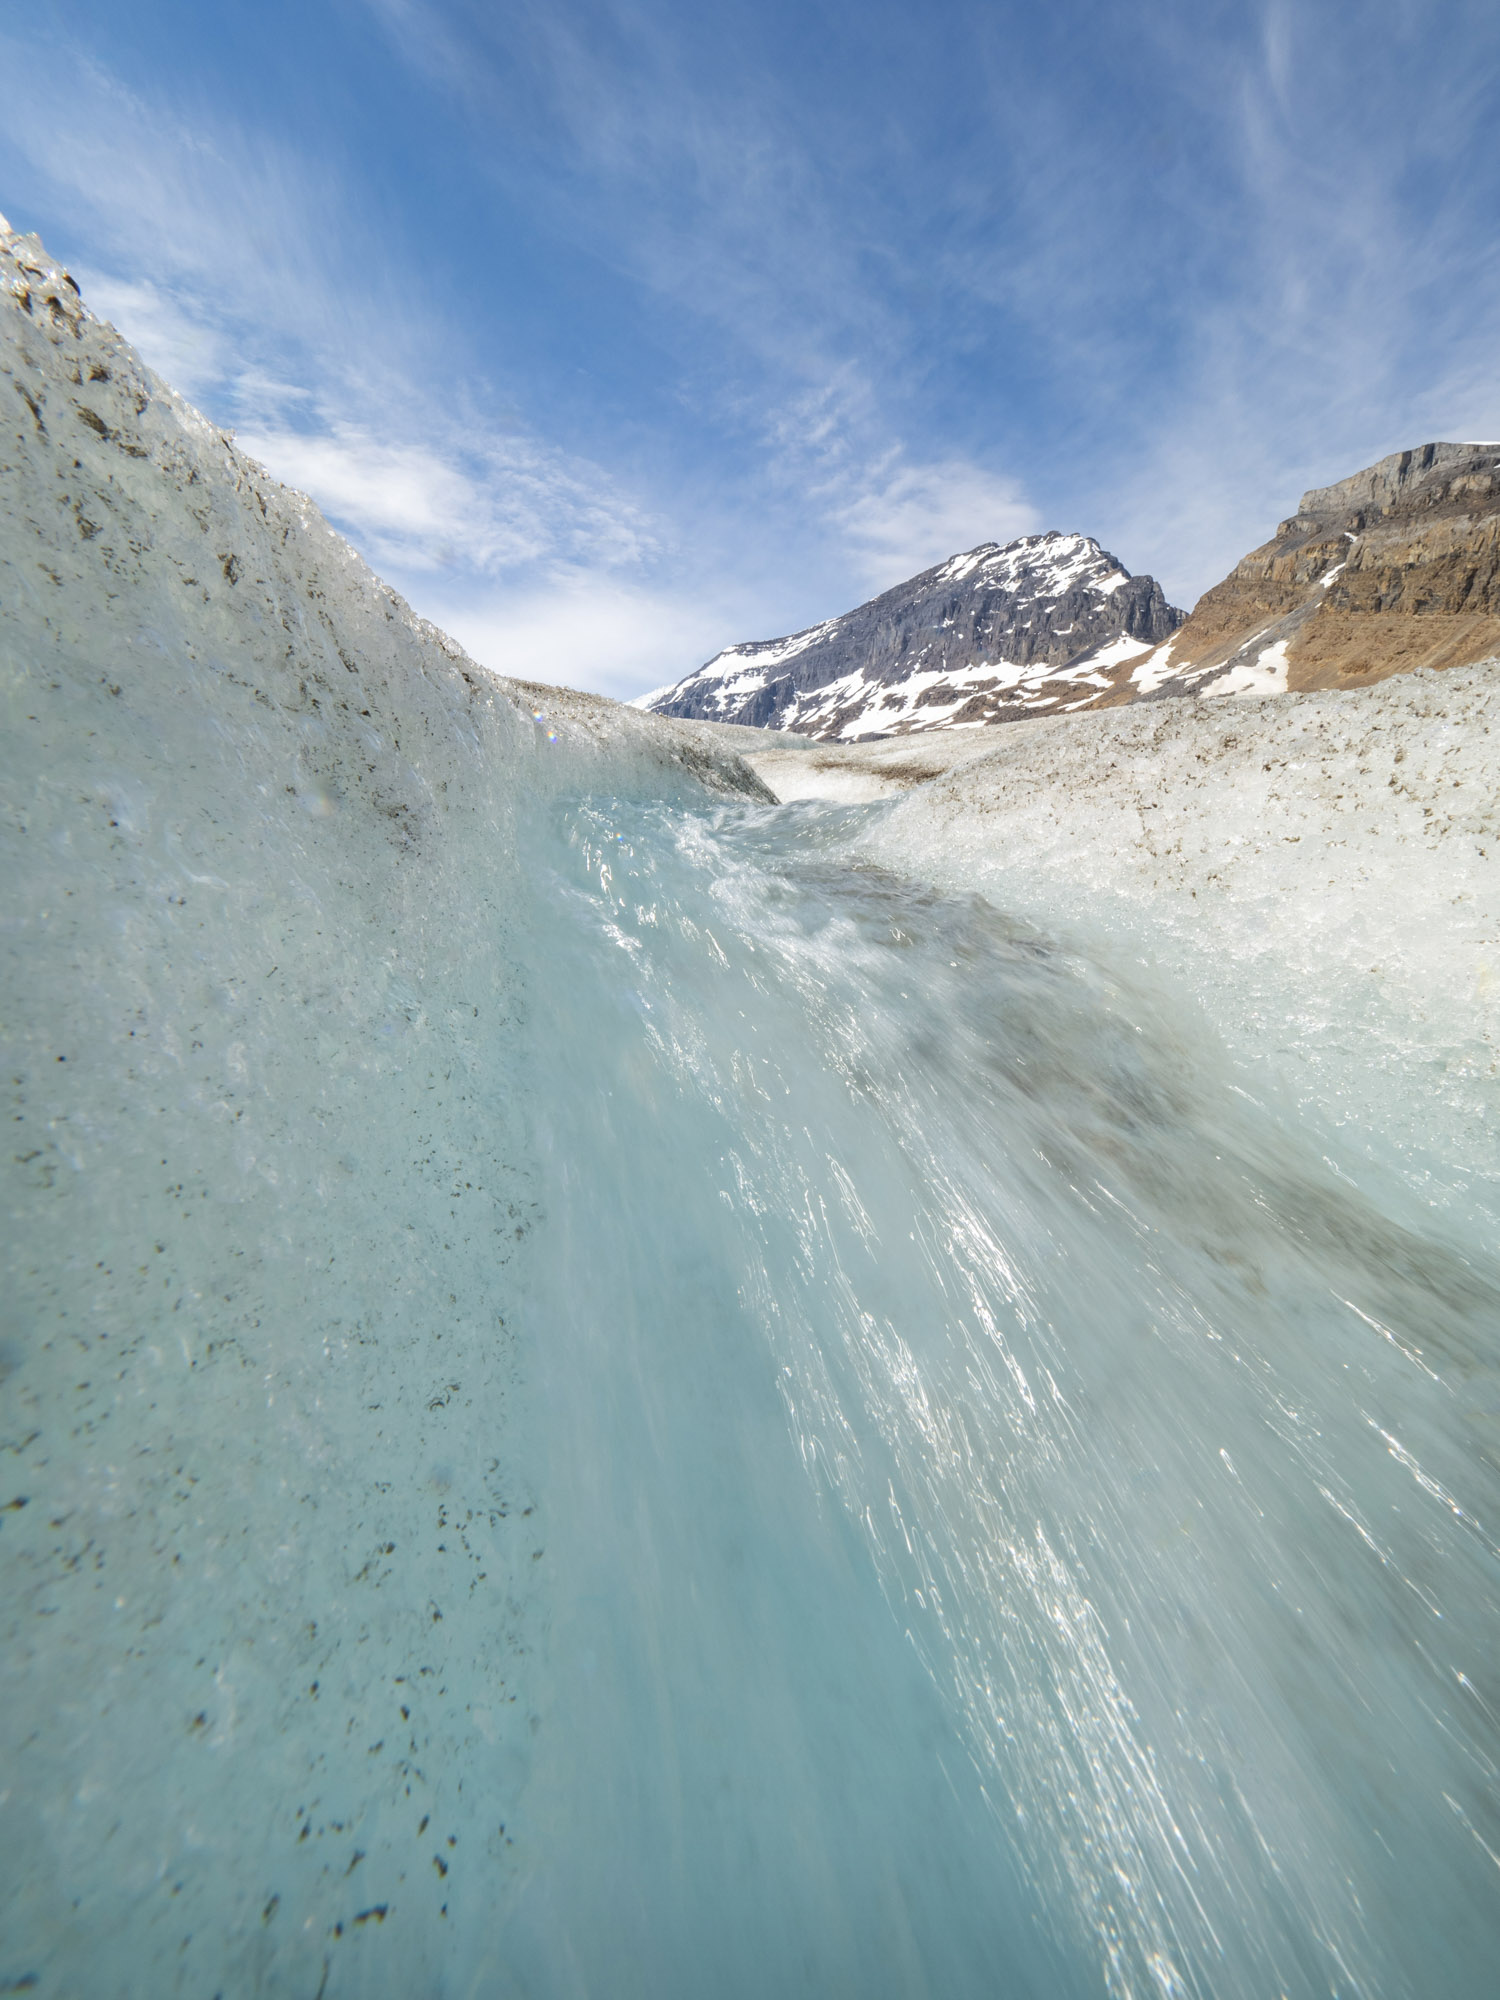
(993, 634)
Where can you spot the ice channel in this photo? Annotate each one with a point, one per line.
(894, 1249)
(981, 1504)
(603, 1395)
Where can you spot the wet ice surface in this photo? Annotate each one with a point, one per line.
(1319, 871)
(264, 1588)
(963, 1499)
(267, 1595)
(919, 1293)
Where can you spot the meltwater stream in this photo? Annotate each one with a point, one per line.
(1018, 1518)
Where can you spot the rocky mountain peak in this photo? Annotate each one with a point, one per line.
(996, 631)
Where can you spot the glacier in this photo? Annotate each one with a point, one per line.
(618, 1382)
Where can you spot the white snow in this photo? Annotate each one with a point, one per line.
(774, 652)
(965, 565)
(647, 701)
(1265, 674)
(1156, 670)
(1115, 654)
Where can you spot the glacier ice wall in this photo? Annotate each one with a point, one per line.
(268, 1546)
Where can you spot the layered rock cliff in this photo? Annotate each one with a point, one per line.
(1394, 568)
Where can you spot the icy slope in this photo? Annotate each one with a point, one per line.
(1340, 852)
(1343, 849)
(1166, 1420)
(267, 1566)
(988, 636)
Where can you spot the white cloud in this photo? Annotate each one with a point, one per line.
(502, 504)
(593, 632)
(403, 500)
(911, 516)
(183, 347)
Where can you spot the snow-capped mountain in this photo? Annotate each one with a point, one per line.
(991, 635)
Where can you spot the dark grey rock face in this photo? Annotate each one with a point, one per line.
(991, 626)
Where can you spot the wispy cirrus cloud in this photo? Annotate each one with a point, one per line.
(490, 507)
(249, 279)
(741, 315)
(1271, 267)
(910, 516)
(895, 511)
(705, 183)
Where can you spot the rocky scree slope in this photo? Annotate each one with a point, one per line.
(1394, 568)
(991, 635)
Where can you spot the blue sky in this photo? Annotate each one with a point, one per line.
(613, 333)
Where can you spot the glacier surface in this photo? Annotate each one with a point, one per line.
(613, 1387)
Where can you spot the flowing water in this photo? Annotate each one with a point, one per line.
(1020, 1518)
(620, 1404)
